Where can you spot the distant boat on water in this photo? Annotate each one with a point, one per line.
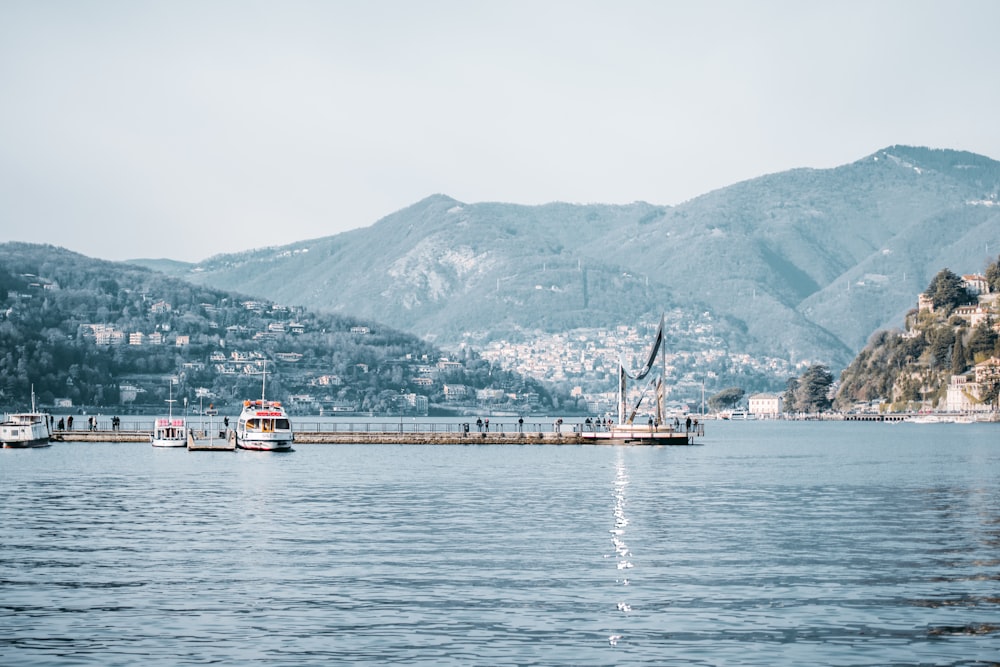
(26, 429)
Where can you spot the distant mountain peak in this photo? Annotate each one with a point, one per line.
(786, 263)
(938, 159)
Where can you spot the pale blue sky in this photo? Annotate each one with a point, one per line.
(183, 129)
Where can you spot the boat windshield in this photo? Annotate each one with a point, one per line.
(267, 425)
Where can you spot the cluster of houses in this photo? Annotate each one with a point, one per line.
(588, 358)
(973, 314)
(965, 391)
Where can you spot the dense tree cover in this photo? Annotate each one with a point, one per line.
(947, 292)
(50, 298)
(993, 275)
(727, 398)
(810, 392)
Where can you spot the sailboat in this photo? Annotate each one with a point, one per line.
(170, 432)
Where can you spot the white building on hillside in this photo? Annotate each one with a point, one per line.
(976, 283)
(964, 395)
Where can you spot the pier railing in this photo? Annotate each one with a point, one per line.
(406, 425)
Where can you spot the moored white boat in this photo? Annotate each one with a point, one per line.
(26, 429)
(928, 419)
(169, 432)
(264, 425)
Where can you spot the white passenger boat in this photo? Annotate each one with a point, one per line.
(264, 425)
(170, 432)
(26, 429)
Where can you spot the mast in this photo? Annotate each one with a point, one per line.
(263, 381)
(170, 401)
(621, 394)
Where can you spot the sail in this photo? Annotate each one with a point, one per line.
(623, 411)
(650, 360)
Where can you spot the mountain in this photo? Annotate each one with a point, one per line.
(801, 265)
(85, 332)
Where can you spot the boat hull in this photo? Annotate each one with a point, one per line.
(172, 442)
(25, 444)
(26, 430)
(259, 445)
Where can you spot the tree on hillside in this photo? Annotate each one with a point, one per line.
(958, 363)
(982, 342)
(727, 398)
(813, 388)
(946, 291)
(789, 400)
(939, 346)
(993, 276)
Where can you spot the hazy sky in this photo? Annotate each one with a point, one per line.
(184, 129)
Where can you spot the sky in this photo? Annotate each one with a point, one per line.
(188, 128)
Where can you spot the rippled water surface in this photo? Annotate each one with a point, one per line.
(772, 544)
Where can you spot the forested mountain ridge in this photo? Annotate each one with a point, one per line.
(801, 265)
(100, 333)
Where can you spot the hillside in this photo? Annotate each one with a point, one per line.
(85, 332)
(801, 265)
(953, 334)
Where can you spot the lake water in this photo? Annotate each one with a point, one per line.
(773, 544)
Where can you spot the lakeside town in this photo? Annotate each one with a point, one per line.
(210, 352)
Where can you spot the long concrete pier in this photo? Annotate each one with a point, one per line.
(426, 437)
